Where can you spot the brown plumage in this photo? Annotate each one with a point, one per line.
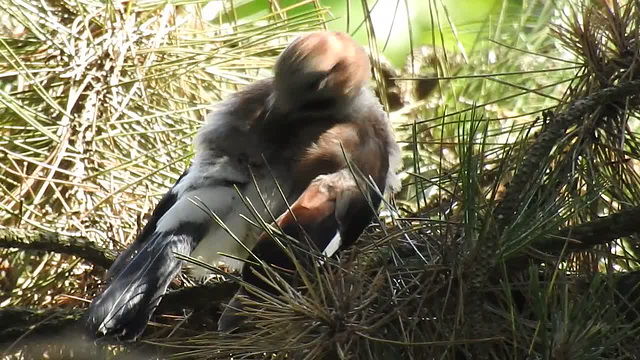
(289, 127)
(335, 203)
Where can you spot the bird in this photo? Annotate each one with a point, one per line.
(284, 144)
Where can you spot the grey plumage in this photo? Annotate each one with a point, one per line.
(288, 128)
(142, 273)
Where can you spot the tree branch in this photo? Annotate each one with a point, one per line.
(596, 232)
(30, 324)
(63, 244)
(584, 236)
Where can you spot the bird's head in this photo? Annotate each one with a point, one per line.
(320, 72)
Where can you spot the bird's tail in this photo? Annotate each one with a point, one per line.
(124, 308)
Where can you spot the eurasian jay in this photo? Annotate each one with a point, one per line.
(288, 133)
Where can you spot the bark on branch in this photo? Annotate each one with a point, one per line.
(28, 325)
(63, 244)
(584, 236)
(597, 232)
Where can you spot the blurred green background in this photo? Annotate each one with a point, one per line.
(398, 23)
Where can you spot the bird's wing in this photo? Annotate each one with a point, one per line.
(333, 208)
(166, 202)
(332, 211)
(337, 205)
(143, 272)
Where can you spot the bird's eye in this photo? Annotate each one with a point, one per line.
(318, 82)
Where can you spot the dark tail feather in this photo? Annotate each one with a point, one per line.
(125, 307)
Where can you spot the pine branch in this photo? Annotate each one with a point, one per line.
(548, 138)
(63, 244)
(596, 232)
(583, 237)
(31, 324)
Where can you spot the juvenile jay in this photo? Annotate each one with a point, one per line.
(288, 131)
